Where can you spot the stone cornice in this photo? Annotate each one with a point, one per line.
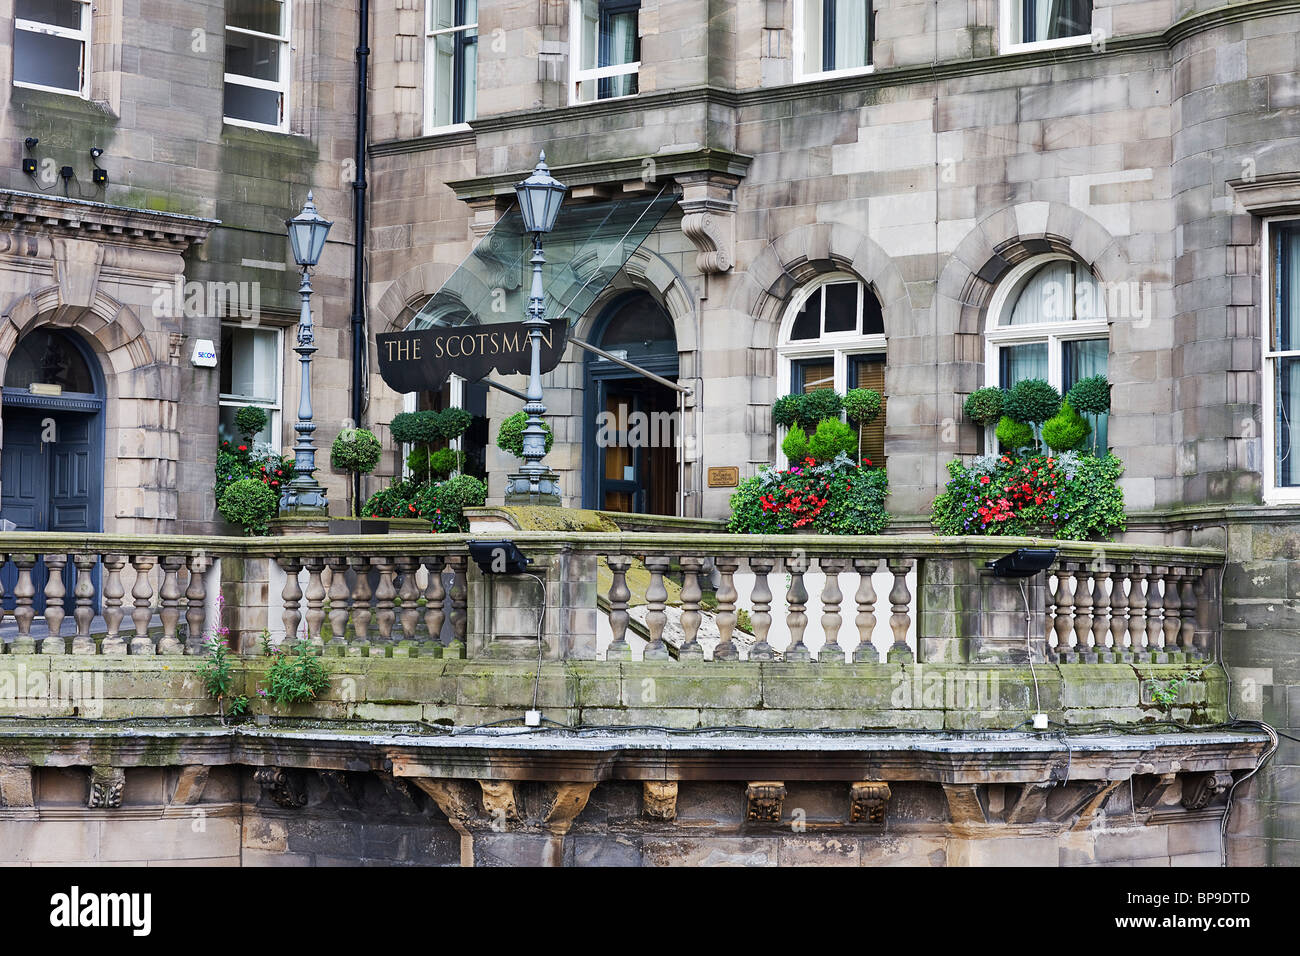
(1268, 195)
(102, 220)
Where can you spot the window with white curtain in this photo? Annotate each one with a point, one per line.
(833, 336)
(257, 63)
(1048, 320)
(1282, 360)
(604, 49)
(451, 63)
(1045, 23)
(52, 45)
(832, 36)
(250, 375)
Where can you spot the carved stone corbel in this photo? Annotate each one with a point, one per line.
(868, 801)
(763, 801)
(659, 799)
(709, 218)
(567, 802)
(499, 800)
(190, 784)
(106, 786)
(1201, 789)
(280, 787)
(1148, 800)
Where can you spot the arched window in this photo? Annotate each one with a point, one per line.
(833, 336)
(1048, 320)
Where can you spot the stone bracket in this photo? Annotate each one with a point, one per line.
(189, 787)
(106, 787)
(763, 801)
(1199, 790)
(868, 801)
(659, 799)
(1147, 801)
(709, 218)
(281, 787)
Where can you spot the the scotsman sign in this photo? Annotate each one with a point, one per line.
(415, 361)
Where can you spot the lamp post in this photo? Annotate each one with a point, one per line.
(304, 496)
(540, 196)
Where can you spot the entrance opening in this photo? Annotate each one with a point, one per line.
(632, 428)
(52, 460)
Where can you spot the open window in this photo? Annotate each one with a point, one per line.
(257, 64)
(451, 63)
(52, 45)
(604, 49)
(832, 38)
(1044, 24)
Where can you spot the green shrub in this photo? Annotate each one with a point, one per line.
(1090, 396)
(295, 678)
(862, 405)
(1068, 497)
(250, 504)
(795, 444)
(250, 420)
(510, 437)
(391, 502)
(1014, 436)
(785, 410)
(1066, 430)
(356, 450)
(817, 405)
(984, 406)
(443, 504)
(836, 498)
(1031, 401)
(444, 461)
(832, 439)
(416, 428)
(453, 422)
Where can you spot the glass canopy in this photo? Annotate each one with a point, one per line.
(589, 245)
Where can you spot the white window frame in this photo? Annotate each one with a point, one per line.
(273, 411)
(83, 35)
(797, 48)
(430, 40)
(840, 347)
(281, 85)
(578, 76)
(1273, 493)
(1007, 33)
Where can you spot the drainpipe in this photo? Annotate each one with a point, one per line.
(359, 343)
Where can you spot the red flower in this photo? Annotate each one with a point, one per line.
(243, 448)
(412, 507)
(984, 479)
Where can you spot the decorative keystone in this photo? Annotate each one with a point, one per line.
(106, 786)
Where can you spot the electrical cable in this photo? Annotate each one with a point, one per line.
(541, 619)
(1029, 650)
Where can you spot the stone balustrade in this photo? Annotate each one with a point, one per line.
(613, 596)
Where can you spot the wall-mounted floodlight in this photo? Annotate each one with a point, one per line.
(499, 556)
(1023, 562)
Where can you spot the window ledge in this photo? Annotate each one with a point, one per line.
(1062, 43)
(245, 124)
(835, 74)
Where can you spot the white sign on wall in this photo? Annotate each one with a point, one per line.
(205, 354)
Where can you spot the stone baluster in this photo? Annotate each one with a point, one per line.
(619, 593)
(434, 595)
(796, 618)
(1052, 588)
(1101, 610)
(691, 594)
(292, 595)
(1121, 650)
(361, 613)
(337, 645)
(726, 614)
(1187, 626)
(832, 598)
(410, 596)
(113, 613)
(1137, 615)
(54, 610)
(655, 596)
(1083, 603)
(196, 611)
(169, 600)
(1207, 625)
(1155, 618)
(459, 593)
(315, 595)
(1064, 622)
(1173, 615)
(84, 593)
(760, 617)
(142, 598)
(900, 599)
(385, 616)
(24, 611)
(865, 598)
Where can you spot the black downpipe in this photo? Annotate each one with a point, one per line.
(359, 343)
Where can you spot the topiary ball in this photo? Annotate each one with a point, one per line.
(984, 406)
(1031, 402)
(355, 450)
(452, 422)
(862, 405)
(416, 428)
(784, 410)
(250, 420)
(1013, 435)
(816, 406)
(832, 438)
(1065, 430)
(510, 437)
(1091, 396)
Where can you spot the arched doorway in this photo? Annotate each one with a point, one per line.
(631, 428)
(52, 459)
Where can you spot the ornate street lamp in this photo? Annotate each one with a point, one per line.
(304, 496)
(540, 196)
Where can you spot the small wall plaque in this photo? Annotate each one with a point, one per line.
(43, 388)
(725, 477)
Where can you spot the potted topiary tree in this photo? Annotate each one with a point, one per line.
(862, 406)
(356, 451)
(1091, 396)
(1031, 402)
